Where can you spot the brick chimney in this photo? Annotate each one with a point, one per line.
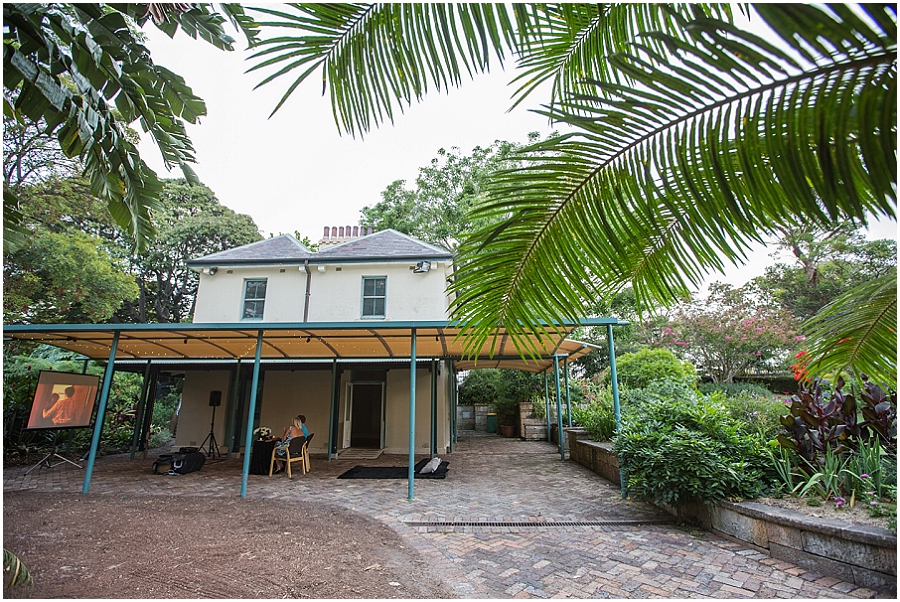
(335, 235)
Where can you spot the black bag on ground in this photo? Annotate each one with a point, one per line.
(179, 463)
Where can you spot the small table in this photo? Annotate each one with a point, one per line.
(261, 455)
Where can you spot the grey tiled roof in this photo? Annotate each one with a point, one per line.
(280, 249)
(384, 245)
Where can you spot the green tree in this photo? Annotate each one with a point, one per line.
(827, 264)
(64, 277)
(691, 139)
(192, 223)
(438, 209)
(81, 73)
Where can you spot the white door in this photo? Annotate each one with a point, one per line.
(348, 415)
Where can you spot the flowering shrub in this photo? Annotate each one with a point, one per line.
(727, 334)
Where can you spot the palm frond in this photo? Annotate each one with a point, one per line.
(856, 332)
(570, 44)
(716, 142)
(376, 59)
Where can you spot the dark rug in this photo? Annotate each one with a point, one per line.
(395, 472)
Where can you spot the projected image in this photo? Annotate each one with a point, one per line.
(63, 400)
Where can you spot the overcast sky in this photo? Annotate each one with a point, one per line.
(293, 171)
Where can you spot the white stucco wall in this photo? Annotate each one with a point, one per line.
(220, 298)
(335, 296)
(196, 414)
(288, 393)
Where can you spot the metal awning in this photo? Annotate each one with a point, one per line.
(307, 341)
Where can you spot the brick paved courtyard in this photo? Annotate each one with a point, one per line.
(511, 521)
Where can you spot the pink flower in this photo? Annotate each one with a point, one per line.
(863, 476)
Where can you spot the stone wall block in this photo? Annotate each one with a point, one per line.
(883, 560)
(812, 562)
(737, 525)
(785, 536)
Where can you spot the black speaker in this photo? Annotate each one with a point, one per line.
(215, 398)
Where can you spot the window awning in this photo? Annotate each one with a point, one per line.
(311, 340)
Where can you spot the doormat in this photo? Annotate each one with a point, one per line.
(358, 453)
(395, 472)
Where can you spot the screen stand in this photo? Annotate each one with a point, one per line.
(48, 461)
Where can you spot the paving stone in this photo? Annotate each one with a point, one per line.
(494, 479)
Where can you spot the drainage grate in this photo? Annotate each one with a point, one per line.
(545, 524)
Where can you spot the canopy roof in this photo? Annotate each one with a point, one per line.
(307, 341)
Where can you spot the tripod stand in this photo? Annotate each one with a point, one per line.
(47, 460)
(213, 450)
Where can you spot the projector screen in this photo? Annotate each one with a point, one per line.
(63, 400)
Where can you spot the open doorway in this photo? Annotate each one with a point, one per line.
(366, 416)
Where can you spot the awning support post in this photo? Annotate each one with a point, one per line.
(615, 391)
(139, 431)
(248, 435)
(412, 415)
(101, 412)
(568, 396)
(433, 408)
(559, 421)
(333, 427)
(454, 426)
(547, 403)
(231, 423)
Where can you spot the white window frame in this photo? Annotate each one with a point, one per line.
(245, 299)
(364, 297)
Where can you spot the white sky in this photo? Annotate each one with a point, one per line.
(295, 172)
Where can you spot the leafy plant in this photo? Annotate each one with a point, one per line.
(643, 367)
(829, 479)
(15, 570)
(675, 451)
(817, 423)
(880, 411)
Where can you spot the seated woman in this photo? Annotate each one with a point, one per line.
(296, 429)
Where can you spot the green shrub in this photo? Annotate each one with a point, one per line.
(597, 417)
(643, 367)
(677, 450)
(734, 389)
(759, 414)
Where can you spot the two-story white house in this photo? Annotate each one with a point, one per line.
(383, 277)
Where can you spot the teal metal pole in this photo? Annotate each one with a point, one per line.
(231, 423)
(547, 402)
(248, 436)
(101, 412)
(559, 422)
(139, 414)
(568, 396)
(333, 426)
(451, 382)
(412, 415)
(615, 390)
(433, 408)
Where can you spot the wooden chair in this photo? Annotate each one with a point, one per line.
(295, 453)
(306, 452)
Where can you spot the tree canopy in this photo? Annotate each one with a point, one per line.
(81, 73)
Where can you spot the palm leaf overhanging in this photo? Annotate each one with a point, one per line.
(707, 149)
(857, 332)
(693, 139)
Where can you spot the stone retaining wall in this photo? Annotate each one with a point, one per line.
(866, 556)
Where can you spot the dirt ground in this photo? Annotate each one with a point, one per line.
(95, 546)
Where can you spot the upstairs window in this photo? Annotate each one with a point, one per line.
(254, 299)
(374, 296)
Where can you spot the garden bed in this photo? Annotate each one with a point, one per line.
(860, 554)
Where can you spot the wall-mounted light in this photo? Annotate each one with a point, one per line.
(422, 267)
(211, 271)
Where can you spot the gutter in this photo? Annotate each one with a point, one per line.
(308, 282)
